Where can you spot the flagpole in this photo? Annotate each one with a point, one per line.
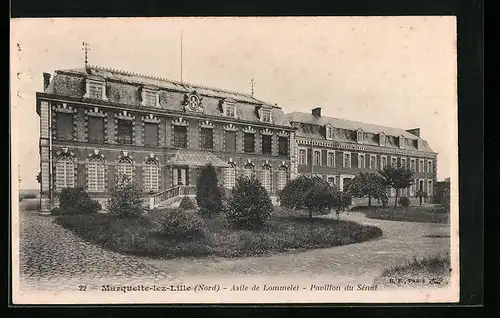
(181, 55)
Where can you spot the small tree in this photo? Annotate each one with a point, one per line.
(208, 193)
(76, 201)
(292, 196)
(249, 206)
(397, 178)
(125, 199)
(186, 204)
(368, 184)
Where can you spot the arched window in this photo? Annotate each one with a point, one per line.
(248, 170)
(266, 177)
(65, 172)
(95, 174)
(150, 171)
(230, 176)
(124, 170)
(282, 177)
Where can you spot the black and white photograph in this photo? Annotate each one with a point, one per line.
(234, 160)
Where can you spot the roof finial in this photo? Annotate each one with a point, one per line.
(252, 82)
(86, 48)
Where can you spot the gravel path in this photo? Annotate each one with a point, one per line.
(53, 258)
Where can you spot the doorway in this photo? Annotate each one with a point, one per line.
(179, 176)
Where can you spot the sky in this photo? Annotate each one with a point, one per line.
(392, 71)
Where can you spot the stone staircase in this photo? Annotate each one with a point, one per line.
(171, 197)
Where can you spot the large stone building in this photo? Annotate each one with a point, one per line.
(97, 124)
(337, 149)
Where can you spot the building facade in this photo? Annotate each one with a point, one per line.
(99, 126)
(337, 150)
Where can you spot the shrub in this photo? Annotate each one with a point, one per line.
(445, 201)
(250, 206)
(178, 222)
(77, 201)
(404, 201)
(208, 194)
(187, 204)
(125, 199)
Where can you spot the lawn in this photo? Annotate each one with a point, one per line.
(143, 236)
(429, 271)
(407, 214)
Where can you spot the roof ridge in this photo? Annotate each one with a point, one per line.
(222, 90)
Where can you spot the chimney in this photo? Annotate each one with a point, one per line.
(316, 112)
(414, 131)
(46, 80)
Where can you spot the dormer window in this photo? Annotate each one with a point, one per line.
(329, 132)
(266, 115)
(230, 110)
(381, 139)
(95, 89)
(149, 97)
(401, 142)
(228, 107)
(359, 136)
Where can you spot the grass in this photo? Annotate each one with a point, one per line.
(426, 271)
(143, 236)
(407, 214)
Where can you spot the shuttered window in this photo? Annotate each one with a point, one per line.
(151, 134)
(125, 132)
(266, 144)
(249, 142)
(207, 138)
(96, 129)
(231, 141)
(283, 146)
(64, 125)
(180, 136)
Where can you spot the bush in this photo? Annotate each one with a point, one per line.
(77, 201)
(178, 222)
(404, 201)
(125, 200)
(187, 204)
(208, 193)
(445, 201)
(250, 206)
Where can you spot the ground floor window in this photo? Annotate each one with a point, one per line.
(331, 180)
(150, 172)
(266, 177)
(95, 174)
(230, 176)
(124, 170)
(248, 170)
(282, 177)
(65, 173)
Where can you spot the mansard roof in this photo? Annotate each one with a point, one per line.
(370, 130)
(124, 88)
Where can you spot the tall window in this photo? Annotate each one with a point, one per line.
(230, 109)
(230, 141)
(266, 144)
(302, 157)
(383, 162)
(151, 134)
(381, 139)
(282, 177)
(430, 189)
(266, 177)
(180, 136)
(124, 170)
(95, 90)
(150, 98)
(151, 170)
(317, 158)
(329, 132)
(412, 165)
(401, 142)
(64, 125)
(420, 166)
(207, 138)
(347, 160)
(124, 131)
(359, 135)
(403, 163)
(95, 174)
(331, 180)
(95, 129)
(429, 166)
(65, 173)
(373, 162)
(248, 170)
(266, 115)
(283, 146)
(331, 159)
(230, 176)
(361, 161)
(248, 142)
(394, 162)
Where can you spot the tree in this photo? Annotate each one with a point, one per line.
(312, 194)
(249, 206)
(397, 178)
(125, 199)
(208, 194)
(368, 184)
